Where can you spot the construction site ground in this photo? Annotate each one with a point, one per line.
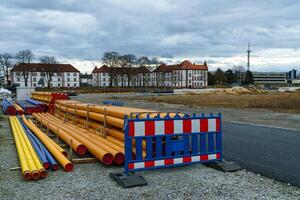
(91, 181)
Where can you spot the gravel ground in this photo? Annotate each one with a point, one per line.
(91, 181)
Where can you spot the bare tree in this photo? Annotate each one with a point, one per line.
(143, 62)
(5, 64)
(112, 60)
(49, 70)
(128, 61)
(48, 60)
(25, 56)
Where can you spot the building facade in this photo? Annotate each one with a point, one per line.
(123, 77)
(269, 78)
(183, 75)
(61, 75)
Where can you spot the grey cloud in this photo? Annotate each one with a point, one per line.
(85, 29)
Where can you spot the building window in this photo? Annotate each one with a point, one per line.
(58, 74)
(103, 84)
(18, 74)
(34, 84)
(104, 74)
(58, 79)
(190, 75)
(68, 79)
(43, 74)
(74, 84)
(103, 79)
(18, 79)
(68, 73)
(58, 84)
(74, 74)
(68, 84)
(34, 79)
(75, 79)
(34, 74)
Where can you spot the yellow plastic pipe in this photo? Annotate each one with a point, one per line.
(34, 171)
(67, 165)
(38, 165)
(22, 158)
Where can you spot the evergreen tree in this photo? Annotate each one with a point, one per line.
(211, 79)
(220, 77)
(248, 78)
(230, 77)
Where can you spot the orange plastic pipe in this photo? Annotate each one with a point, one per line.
(77, 146)
(102, 152)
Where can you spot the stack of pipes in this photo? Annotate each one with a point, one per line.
(104, 150)
(43, 105)
(57, 152)
(29, 108)
(8, 107)
(49, 98)
(30, 163)
(107, 121)
(44, 155)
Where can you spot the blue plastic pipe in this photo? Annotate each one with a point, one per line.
(43, 153)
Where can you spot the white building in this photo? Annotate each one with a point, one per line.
(183, 75)
(135, 76)
(270, 77)
(62, 75)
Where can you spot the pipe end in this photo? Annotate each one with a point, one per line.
(107, 159)
(119, 158)
(81, 150)
(35, 175)
(43, 173)
(27, 175)
(68, 167)
(46, 165)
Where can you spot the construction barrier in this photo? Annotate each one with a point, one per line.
(172, 141)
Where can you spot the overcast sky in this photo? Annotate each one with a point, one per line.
(80, 31)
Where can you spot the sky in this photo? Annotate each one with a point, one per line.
(216, 31)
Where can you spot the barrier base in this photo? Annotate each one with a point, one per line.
(128, 181)
(224, 166)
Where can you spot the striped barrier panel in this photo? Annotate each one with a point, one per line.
(171, 141)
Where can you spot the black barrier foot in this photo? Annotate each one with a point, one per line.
(128, 181)
(224, 166)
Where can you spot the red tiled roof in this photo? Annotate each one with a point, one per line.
(185, 65)
(40, 67)
(102, 69)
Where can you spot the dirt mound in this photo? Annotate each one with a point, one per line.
(239, 90)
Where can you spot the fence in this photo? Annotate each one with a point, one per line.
(162, 142)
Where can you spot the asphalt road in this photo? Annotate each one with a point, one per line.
(272, 152)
